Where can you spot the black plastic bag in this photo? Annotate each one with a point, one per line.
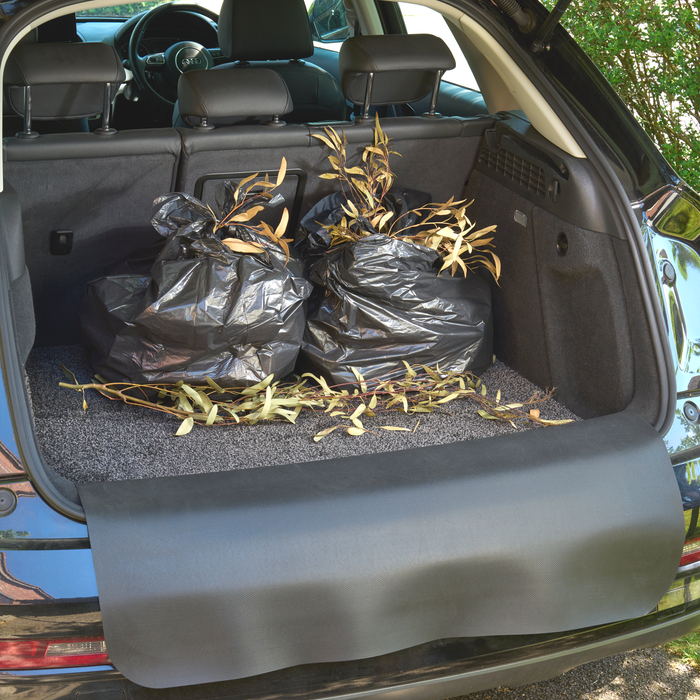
(202, 311)
(379, 301)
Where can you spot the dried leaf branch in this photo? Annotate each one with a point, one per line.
(422, 390)
(243, 202)
(444, 228)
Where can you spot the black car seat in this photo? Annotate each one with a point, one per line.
(85, 198)
(276, 34)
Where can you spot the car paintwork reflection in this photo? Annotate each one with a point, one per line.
(14, 591)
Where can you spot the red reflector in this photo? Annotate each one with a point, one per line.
(52, 653)
(691, 551)
(690, 558)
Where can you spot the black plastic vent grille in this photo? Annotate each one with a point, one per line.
(526, 174)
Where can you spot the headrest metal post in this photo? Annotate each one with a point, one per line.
(105, 129)
(204, 125)
(431, 113)
(275, 121)
(28, 133)
(368, 96)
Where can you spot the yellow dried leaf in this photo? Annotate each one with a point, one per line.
(384, 220)
(184, 404)
(451, 397)
(245, 181)
(393, 427)
(257, 388)
(332, 404)
(212, 415)
(238, 246)
(282, 226)
(337, 143)
(214, 386)
(360, 379)
(358, 411)
(325, 140)
(245, 216)
(185, 426)
(282, 172)
(326, 431)
(266, 406)
(205, 402)
(322, 382)
(194, 395)
(355, 431)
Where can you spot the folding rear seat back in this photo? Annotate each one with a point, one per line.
(85, 198)
(438, 153)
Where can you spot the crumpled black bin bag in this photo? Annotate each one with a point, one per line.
(203, 311)
(379, 301)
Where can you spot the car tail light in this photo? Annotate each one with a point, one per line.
(691, 552)
(52, 653)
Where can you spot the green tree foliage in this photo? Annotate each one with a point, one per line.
(649, 50)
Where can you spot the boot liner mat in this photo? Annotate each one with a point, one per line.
(212, 577)
(111, 441)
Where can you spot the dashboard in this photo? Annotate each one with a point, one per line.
(164, 31)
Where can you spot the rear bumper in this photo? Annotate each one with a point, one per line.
(514, 667)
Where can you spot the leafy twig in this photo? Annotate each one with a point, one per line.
(444, 228)
(422, 390)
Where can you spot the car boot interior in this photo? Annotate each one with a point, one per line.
(568, 309)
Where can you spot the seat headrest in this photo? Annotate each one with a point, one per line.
(404, 67)
(233, 92)
(56, 64)
(265, 30)
(68, 80)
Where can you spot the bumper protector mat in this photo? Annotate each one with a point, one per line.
(214, 577)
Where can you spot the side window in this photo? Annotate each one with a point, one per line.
(424, 20)
(328, 23)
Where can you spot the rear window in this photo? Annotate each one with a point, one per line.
(423, 20)
(134, 8)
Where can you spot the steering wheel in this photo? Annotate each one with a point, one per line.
(179, 58)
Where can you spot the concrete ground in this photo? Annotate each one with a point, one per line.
(645, 674)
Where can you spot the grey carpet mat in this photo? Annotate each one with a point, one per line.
(112, 441)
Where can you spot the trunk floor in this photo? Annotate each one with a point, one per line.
(112, 441)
